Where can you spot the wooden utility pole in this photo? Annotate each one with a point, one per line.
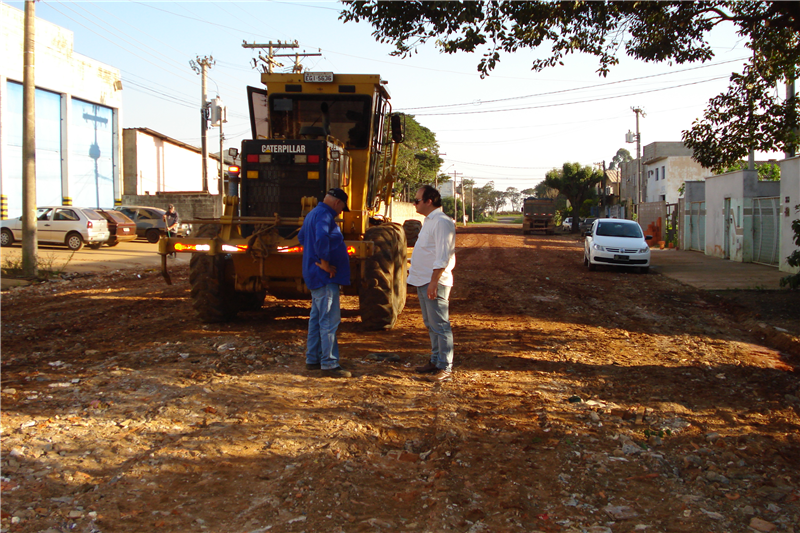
(790, 96)
(640, 185)
(270, 63)
(201, 67)
(29, 230)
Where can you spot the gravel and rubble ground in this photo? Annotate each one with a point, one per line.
(592, 402)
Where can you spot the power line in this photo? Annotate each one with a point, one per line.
(549, 93)
(571, 103)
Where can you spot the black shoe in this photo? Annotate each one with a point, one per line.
(315, 366)
(441, 375)
(337, 372)
(429, 368)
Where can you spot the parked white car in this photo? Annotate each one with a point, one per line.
(68, 225)
(615, 241)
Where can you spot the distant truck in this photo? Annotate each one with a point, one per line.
(538, 215)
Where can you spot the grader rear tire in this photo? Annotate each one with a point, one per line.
(382, 295)
(412, 227)
(211, 277)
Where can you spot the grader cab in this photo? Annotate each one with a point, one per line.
(311, 132)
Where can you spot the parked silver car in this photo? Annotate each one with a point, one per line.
(150, 222)
(68, 225)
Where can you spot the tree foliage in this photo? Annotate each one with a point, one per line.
(577, 183)
(418, 160)
(622, 156)
(766, 171)
(514, 197)
(671, 31)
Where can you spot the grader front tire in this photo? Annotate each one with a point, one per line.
(382, 295)
(213, 296)
(412, 227)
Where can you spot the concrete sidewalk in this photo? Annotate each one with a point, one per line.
(709, 273)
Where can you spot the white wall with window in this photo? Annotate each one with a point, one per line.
(78, 102)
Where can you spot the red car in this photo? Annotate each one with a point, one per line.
(122, 228)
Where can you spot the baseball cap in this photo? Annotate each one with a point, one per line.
(339, 194)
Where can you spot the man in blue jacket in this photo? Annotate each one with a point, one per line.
(325, 267)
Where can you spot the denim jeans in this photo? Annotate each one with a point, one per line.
(436, 316)
(322, 346)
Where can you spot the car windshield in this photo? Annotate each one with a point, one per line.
(619, 229)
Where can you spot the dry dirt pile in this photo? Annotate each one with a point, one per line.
(582, 402)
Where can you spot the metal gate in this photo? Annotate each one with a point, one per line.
(697, 226)
(766, 221)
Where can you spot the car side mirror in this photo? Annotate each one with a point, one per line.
(648, 237)
(588, 233)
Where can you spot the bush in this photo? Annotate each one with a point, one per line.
(793, 281)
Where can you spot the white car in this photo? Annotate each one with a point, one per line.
(567, 224)
(68, 225)
(618, 242)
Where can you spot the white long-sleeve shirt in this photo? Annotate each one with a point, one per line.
(435, 248)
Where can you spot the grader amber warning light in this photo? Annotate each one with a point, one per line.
(310, 132)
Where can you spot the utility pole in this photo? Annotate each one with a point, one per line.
(463, 203)
(201, 67)
(790, 94)
(270, 63)
(455, 195)
(639, 184)
(29, 229)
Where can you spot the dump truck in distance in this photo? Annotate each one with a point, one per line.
(538, 215)
(311, 132)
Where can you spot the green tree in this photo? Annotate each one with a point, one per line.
(514, 197)
(483, 201)
(672, 31)
(418, 159)
(447, 207)
(766, 171)
(543, 191)
(577, 183)
(622, 156)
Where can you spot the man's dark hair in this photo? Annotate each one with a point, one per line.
(430, 193)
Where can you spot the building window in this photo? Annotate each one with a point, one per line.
(662, 198)
(656, 173)
(663, 173)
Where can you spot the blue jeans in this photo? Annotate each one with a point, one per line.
(325, 317)
(436, 316)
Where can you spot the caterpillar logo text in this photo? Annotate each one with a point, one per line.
(283, 148)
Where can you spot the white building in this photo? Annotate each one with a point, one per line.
(665, 167)
(154, 163)
(78, 132)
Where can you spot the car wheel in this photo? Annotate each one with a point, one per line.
(6, 237)
(585, 260)
(112, 243)
(95, 245)
(74, 241)
(152, 236)
(591, 266)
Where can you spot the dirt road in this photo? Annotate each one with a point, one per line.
(582, 402)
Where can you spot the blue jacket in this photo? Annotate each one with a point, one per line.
(321, 238)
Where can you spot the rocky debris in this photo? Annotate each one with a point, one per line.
(679, 421)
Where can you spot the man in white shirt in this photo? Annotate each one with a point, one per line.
(432, 274)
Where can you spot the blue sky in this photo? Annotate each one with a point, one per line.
(509, 128)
